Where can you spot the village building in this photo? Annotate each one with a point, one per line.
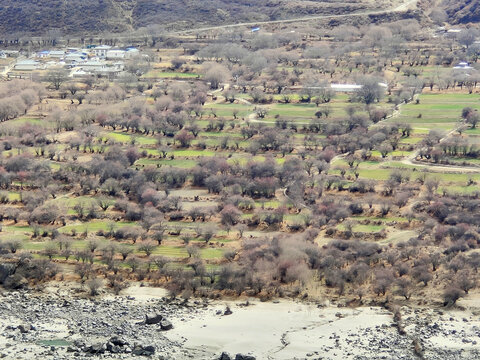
(28, 65)
(93, 66)
(76, 57)
(58, 54)
(131, 53)
(80, 74)
(115, 54)
(42, 54)
(463, 65)
(11, 53)
(101, 51)
(99, 68)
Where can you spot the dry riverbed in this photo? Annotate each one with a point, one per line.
(56, 324)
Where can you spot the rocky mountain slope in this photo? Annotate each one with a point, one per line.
(94, 16)
(465, 11)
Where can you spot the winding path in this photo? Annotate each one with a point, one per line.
(409, 4)
(411, 160)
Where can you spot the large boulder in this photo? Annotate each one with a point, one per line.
(15, 282)
(244, 357)
(98, 348)
(228, 311)
(115, 348)
(5, 271)
(166, 325)
(224, 356)
(153, 318)
(24, 328)
(118, 341)
(148, 350)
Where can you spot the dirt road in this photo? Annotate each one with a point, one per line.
(400, 8)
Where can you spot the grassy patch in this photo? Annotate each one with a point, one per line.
(193, 153)
(93, 226)
(169, 74)
(363, 228)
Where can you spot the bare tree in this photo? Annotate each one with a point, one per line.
(147, 247)
(215, 74)
(94, 286)
(57, 77)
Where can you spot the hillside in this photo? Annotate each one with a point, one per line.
(93, 16)
(69, 15)
(461, 12)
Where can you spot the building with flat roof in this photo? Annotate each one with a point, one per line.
(101, 51)
(115, 54)
(27, 65)
(58, 54)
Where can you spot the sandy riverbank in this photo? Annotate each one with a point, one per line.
(291, 330)
(58, 325)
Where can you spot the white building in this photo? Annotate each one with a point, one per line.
(101, 51)
(43, 54)
(453, 33)
(351, 87)
(27, 65)
(115, 54)
(345, 87)
(93, 66)
(11, 53)
(58, 54)
(131, 53)
(80, 74)
(76, 57)
(463, 66)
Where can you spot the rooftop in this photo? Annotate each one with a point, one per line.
(27, 62)
(103, 47)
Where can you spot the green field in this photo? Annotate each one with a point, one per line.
(438, 111)
(172, 75)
